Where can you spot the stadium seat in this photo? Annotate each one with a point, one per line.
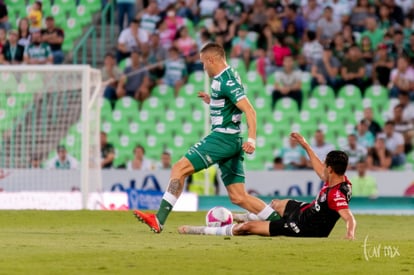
(93, 5)
(377, 94)
(288, 106)
(238, 65)
(164, 92)
(58, 14)
(306, 83)
(254, 84)
(197, 78)
(33, 82)
(8, 82)
(106, 110)
(72, 28)
(352, 94)
(82, 14)
(325, 94)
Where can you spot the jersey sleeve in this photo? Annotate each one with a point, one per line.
(233, 90)
(337, 200)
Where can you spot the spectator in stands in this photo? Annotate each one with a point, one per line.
(173, 21)
(339, 48)
(3, 38)
(12, 53)
(353, 68)
(257, 16)
(397, 43)
(278, 53)
(325, 71)
(312, 49)
(367, 54)
(288, 83)
(149, 17)
(185, 44)
(395, 11)
(348, 36)
(406, 6)
(132, 37)
(35, 162)
(139, 162)
(402, 78)
(208, 7)
(235, 11)
(320, 146)
(312, 12)
(293, 155)
(62, 160)
(107, 152)
(35, 16)
(54, 37)
(223, 26)
(135, 81)
(156, 57)
(165, 161)
(408, 107)
(364, 137)
(383, 64)
(404, 127)
(38, 52)
(385, 22)
(110, 72)
(292, 15)
(24, 32)
(4, 18)
(354, 151)
(341, 10)
(409, 48)
(241, 45)
(327, 26)
(379, 157)
(125, 8)
(359, 14)
(278, 164)
(373, 126)
(188, 9)
(175, 71)
(363, 185)
(293, 42)
(167, 36)
(394, 142)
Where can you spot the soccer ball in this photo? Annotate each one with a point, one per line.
(218, 216)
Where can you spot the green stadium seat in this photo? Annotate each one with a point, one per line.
(8, 82)
(306, 83)
(351, 93)
(128, 106)
(82, 14)
(106, 110)
(197, 78)
(238, 65)
(288, 106)
(325, 94)
(59, 15)
(93, 5)
(33, 82)
(189, 91)
(268, 90)
(254, 84)
(377, 94)
(72, 28)
(164, 92)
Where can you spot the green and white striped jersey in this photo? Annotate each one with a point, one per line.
(226, 91)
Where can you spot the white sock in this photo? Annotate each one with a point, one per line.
(170, 198)
(265, 213)
(226, 230)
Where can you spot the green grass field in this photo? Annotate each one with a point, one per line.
(98, 242)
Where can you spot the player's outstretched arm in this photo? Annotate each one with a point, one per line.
(246, 107)
(317, 164)
(348, 217)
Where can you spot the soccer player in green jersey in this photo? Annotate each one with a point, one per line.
(223, 145)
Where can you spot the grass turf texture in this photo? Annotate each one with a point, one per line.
(99, 242)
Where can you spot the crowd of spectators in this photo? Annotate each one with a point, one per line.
(37, 40)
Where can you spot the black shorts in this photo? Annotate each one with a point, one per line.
(289, 225)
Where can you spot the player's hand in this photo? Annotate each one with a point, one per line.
(205, 97)
(248, 147)
(299, 138)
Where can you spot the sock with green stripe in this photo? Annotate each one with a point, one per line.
(166, 206)
(268, 214)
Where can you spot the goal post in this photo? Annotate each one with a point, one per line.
(50, 128)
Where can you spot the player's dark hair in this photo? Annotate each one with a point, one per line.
(213, 47)
(338, 161)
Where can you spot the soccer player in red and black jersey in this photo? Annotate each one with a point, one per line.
(301, 219)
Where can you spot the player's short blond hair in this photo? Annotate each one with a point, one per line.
(213, 48)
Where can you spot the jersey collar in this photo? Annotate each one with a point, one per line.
(220, 73)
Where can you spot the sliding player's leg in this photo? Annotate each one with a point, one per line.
(232, 174)
(248, 228)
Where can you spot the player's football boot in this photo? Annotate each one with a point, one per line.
(150, 219)
(188, 229)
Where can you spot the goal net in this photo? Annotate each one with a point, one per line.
(49, 128)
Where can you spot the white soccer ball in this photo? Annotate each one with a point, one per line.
(219, 216)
